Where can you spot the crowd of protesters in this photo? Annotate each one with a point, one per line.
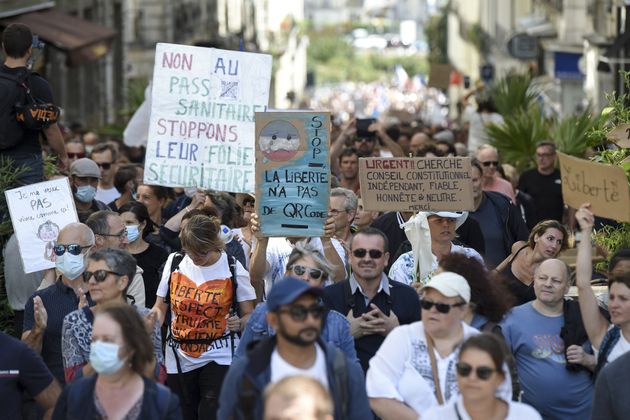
(168, 303)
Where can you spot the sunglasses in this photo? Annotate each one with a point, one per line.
(76, 155)
(104, 165)
(361, 252)
(299, 312)
(99, 275)
(483, 372)
(490, 162)
(442, 308)
(314, 273)
(74, 249)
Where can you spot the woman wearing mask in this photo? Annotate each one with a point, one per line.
(149, 256)
(119, 353)
(480, 372)
(107, 276)
(202, 292)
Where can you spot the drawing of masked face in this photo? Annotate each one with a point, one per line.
(279, 141)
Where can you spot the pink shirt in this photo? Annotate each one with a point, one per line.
(502, 186)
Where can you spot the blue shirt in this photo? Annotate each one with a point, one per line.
(336, 331)
(547, 385)
(20, 369)
(59, 300)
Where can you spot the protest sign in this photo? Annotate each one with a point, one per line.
(38, 212)
(201, 132)
(416, 184)
(604, 186)
(292, 172)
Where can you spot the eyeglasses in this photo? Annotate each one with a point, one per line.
(361, 252)
(336, 212)
(99, 275)
(76, 155)
(442, 308)
(483, 372)
(490, 162)
(104, 165)
(120, 235)
(299, 312)
(74, 249)
(314, 273)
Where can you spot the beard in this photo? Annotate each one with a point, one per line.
(299, 339)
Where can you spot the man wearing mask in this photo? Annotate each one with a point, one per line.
(45, 311)
(84, 179)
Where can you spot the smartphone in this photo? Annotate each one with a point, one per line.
(362, 128)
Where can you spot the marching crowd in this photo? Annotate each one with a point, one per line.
(168, 303)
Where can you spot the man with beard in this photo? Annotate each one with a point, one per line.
(374, 304)
(296, 313)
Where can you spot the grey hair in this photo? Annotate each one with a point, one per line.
(98, 221)
(352, 201)
(305, 249)
(119, 261)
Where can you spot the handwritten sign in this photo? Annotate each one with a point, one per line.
(620, 135)
(292, 172)
(201, 131)
(604, 186)
(416, 184)
(38, 212)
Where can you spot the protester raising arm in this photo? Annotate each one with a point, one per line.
(387, 141)
(594, 322)
(258, 265)
(347, 132)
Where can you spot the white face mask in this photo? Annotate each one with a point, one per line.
(104, 357)
(71, 266)
(190, 191)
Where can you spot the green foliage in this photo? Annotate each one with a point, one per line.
(514, 93)
(571, 134)
(8, 178)
(436, 32)
(516, 139)
(612, 238)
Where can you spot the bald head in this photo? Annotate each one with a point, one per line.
(554, 266)
(417, 141)
(76, 233)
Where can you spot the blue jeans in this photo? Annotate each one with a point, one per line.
(34, 173)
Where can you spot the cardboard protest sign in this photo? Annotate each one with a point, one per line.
(292, 172)
(620, 135)
(604, 186)
(38, 212)
(201, 131)
(416, 184)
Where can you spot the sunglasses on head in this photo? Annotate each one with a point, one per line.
(104, 165)
(442, 308)
(99, 275)
(314, 273)
(361, 252)
(74, 249)
(299, 312)
(490, 162)
(483, 372)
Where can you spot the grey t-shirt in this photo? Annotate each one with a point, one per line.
(20, 287)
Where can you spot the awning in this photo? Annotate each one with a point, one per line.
(82, 40)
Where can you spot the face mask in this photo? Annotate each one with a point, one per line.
(71, 266)
(133, 232)
(104, 358)
(190, 191)
(88, 149)
(85, 193)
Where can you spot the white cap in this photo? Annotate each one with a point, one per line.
(459, 216)
(450, 285)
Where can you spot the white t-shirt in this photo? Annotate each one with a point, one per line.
(202, 297)
(621, 347)
(106, 195)
(281, 369)
(516, 411)
(401, 369)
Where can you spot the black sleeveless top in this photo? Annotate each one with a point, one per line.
(520, 290)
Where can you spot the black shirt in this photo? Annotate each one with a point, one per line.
(40, 89)
(546, 191)
(151, 261)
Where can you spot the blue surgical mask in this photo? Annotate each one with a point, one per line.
(104, 357)
(71, 266)
(85, 193)
(133, 232)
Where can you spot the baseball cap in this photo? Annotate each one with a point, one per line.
(288, 290)
(459, 216)
(84, 168)
(450, 285)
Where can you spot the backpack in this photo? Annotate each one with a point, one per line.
(19, 110)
